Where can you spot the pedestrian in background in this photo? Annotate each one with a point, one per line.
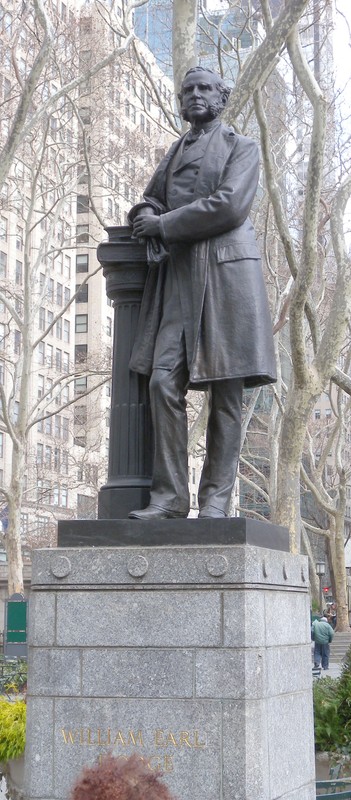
(120, 778)
(322, 635)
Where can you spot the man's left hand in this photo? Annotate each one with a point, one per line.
(146, 226)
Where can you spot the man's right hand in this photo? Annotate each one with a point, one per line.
(146, 224)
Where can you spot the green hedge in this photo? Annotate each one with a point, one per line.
(12, 728)
(332, 711)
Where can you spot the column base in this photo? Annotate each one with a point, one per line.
(116, 502)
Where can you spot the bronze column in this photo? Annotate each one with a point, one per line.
(130, 449)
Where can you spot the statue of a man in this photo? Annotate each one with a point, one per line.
(204, 320)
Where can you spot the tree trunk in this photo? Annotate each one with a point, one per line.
(13, 538)
(293, 431)
(184, 39)
(339, 569)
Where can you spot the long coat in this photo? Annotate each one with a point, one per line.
(232, 329)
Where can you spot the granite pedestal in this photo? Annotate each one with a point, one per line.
(196, 656)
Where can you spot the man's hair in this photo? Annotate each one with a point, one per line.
(118, 778)
(220, 85)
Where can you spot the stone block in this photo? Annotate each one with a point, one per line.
(125, 619)
(243, 618)
(245, 751)
(293, 628)
(182, 738)
(54, 672)
(134, 672)
(41, 616)
(229, 674)
(289, 723)
(40, 748)
(288, 669)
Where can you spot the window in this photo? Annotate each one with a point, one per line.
(58, 359)
(48, 426)
(317, 413)
(41, 385)
(2, 336)
(64, 496)
(43, 524)
(18, 341)
(64, 462)
(1, 445)
(41, 353)
(66, 330)
(3, 265)
(65, 365)
(109, 326)
(3, 229)
(81, 323)
(50, 290)
(19, 273)
(80, 353)
(40, 454)
(85, 115)
(80, 441)
(85, 507)
(58, 426)
(55, 499)
(65, 429)
(82, 262)
(49, 355)
(59, 263)
(59, 294)
(82, 234)
(48, 456)
(80, 415)
(59, 328)
(82, 296)
(80, 385)
(67, 294)
(67, 267)
(19, 238)
(82, 203)
(57, 458)
(42, 316)
(328, 413)
(16, 411)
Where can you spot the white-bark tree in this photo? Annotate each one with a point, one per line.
(43, 147)
(304, 250)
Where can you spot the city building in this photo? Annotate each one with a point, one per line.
(79, 169)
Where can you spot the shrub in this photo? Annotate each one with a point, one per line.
(12, 728)
(327, 728)
(332, 711)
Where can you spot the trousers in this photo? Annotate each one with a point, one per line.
(169, 488)
(321, 654)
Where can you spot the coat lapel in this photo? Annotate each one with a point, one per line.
(217, 151)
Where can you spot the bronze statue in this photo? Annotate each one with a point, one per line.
(204, 320)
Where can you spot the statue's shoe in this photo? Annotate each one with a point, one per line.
(210, 512)
(155, 512)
